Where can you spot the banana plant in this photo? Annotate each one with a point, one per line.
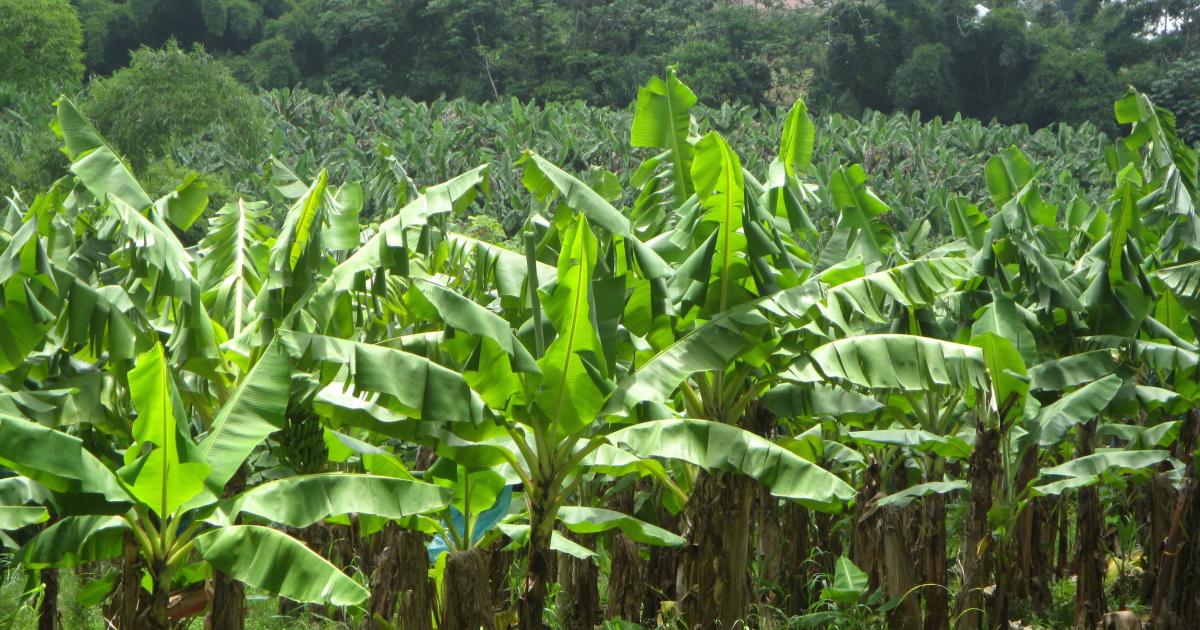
(531, 377)
(566, 404)
(150, 281)
(929, 388)
(742, 285)
(157, 492)
(1159, 184)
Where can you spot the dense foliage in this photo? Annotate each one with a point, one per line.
(172, 94)
(396, 145)
(284, 326)
(477, 49)
(1003, 60)
(40, 48)
(1179, 91)
(729, 386)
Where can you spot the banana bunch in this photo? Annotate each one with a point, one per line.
(302, 440)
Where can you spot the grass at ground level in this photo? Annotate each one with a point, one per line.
(18, 612)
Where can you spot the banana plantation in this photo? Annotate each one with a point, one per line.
(684, 387)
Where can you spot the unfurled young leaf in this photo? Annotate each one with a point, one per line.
(796, 141)
(720, 185)
(570, 396)
(661, 120)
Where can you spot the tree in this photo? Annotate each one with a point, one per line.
(993, 60)
(1179, 91)
(172, 94)
(1071, 86)
(925, 82)
(156, 494)
(861, 53)
(41, 47)
(718, 56)
(115, 28)
(270, 63)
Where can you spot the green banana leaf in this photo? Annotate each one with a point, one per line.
(569, 395)
(1055, 420)
(303, 500)
(254, 411)
(1106, 460)
(476, 446)
(472, 491)
(164, 485)
(300, 228)
(427, 390)
(22, 491)
(386, 248)
(519, 533)
(1007, 320)
(790, 400)
(1160, 435)
(712, 346)
(94, 162)
(915, 284)
(186, 203)
(1007, 374)
(589, 520)
(1072, 371)
(661, 120)
(797, 140)
(1184, 281)
(277, 563)
(907, 495)
(1157, 355)
(463, 314)
(849, 582)
(162, 479)
(56, 460)
(917, 439)
(543, 179)
(894, 362)
(717, 446)
(1007, 173)
(233, 261)
(1088, 470)
(152, 392)
(859, 232)
(18, 516)
(75, 540)
(717, 173)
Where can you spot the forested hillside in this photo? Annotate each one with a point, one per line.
(1034, 62)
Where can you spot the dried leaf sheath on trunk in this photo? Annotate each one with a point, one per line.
(1176, 601)
(229, 596)
(627, 574)
(578, 595)
(1090, 562)
(977, 541)
(466, 594)
(401, 591)
(714, 578)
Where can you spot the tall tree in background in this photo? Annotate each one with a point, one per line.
(40, 46)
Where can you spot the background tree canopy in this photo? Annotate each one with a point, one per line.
(173, 93)
(185, 70)
(997, 59)
(1028, 62)
(39, 46)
